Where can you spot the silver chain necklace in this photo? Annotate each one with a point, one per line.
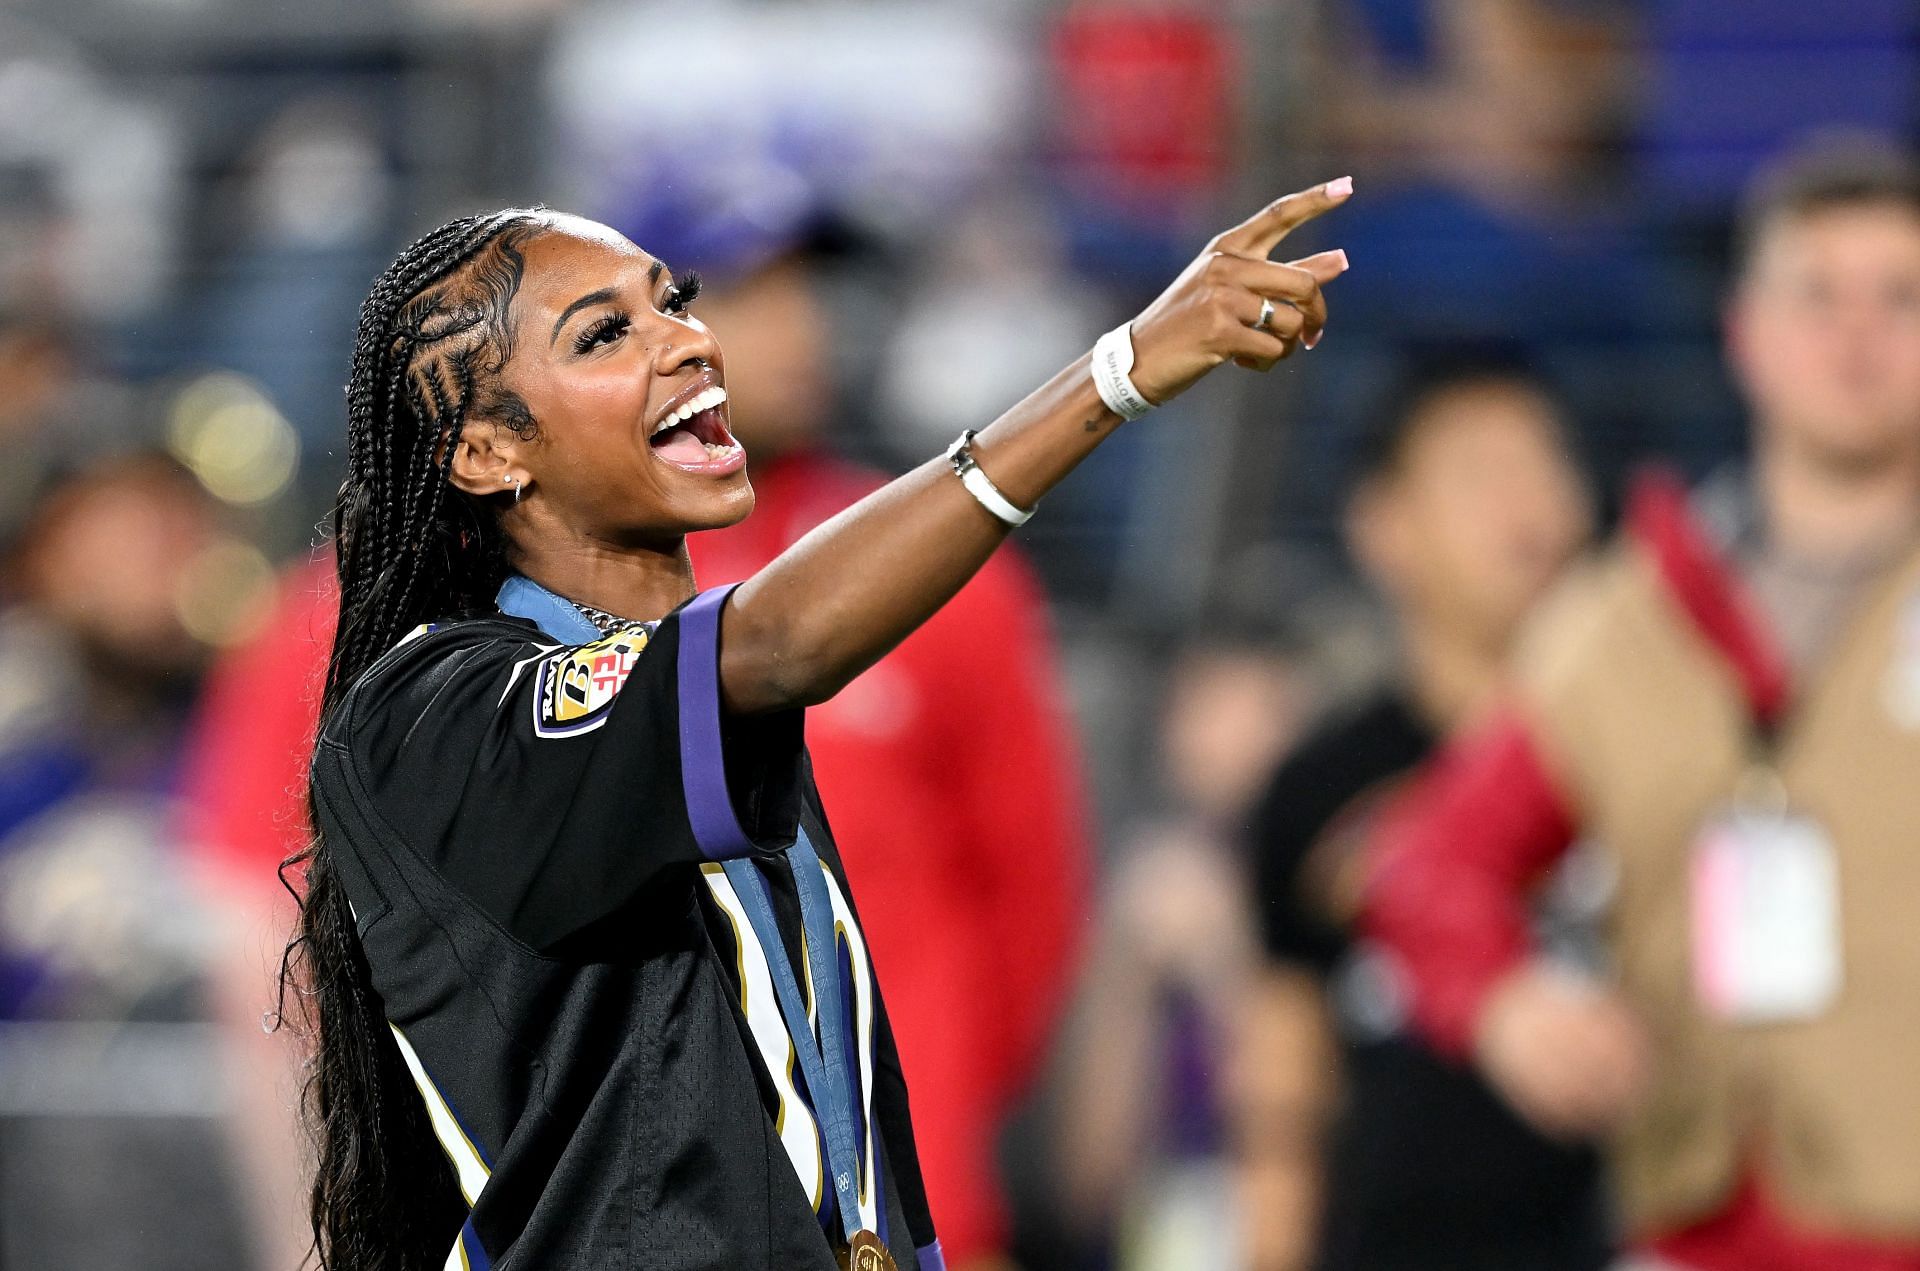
(600, 618)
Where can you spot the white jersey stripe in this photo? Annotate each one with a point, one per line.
(467, 1165)
(794, 1123)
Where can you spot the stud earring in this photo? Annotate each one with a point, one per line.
(515, 482)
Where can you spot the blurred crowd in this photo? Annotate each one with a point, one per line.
(1445, 804)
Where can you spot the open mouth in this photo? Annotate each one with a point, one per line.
(695, 436)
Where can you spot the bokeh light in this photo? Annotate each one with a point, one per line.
(225, 595)
(230, 434)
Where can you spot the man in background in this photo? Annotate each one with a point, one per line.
(1728, 704)
(1465, 507)
(954, 779)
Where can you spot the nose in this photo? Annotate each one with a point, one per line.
(683, 346)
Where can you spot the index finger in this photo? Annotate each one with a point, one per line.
(1260, 233)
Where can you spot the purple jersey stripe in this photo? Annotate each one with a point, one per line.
(703, 768)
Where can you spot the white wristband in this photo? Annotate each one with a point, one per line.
(1112, 378)
(960, 455)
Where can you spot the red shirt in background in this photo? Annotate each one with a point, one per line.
(246, 778)
(954, 787)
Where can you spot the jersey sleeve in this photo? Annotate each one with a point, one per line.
(551, 784)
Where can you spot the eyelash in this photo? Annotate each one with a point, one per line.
(685, 288)
(595, 332)
(680, 295)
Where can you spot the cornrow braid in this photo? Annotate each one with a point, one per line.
(432, 341)
(423, 327)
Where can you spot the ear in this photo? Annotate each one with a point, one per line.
(484, 460)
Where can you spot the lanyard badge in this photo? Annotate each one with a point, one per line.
(1766, 909)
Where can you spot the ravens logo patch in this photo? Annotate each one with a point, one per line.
(578, 686)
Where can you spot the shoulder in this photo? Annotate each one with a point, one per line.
(1310, 785)
(415, 676)
(1371, 741)
(1583, 618)
(1370, 738)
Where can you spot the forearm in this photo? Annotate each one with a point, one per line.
(836, 601)
(1281, 1089)
(829, 606)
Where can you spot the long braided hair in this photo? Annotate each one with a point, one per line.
(410, 547)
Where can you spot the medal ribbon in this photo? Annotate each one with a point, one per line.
(823, 1059)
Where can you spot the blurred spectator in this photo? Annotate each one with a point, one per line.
(1466, 507)
(1481, 130)
(1143, 117)
(956, 786)
(99, 923)
(104, 567)
(1144, 1079)
(1485, 136)
(1729, 703)
(56, 410)
(37, 374)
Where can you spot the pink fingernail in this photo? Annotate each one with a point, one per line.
(1309, 344)
(1345, 264)
(1340, 187)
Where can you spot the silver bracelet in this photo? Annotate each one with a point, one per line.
(960, 455)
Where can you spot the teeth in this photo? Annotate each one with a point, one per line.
(702, 401)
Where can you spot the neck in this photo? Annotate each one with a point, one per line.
(637, 583)
(1452, 678)
(1834, 510)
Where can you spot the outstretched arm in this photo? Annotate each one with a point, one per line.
(835, 602)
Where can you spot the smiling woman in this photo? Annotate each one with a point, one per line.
(577, 952)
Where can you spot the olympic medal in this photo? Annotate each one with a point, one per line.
(866, 1253)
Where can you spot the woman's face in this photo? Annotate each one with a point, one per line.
(608, 362)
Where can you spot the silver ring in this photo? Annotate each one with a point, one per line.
(1266, 314)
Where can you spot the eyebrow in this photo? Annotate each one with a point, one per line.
(601, 296)
(591, 298)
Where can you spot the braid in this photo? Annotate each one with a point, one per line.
(441, 303)
(407, 550)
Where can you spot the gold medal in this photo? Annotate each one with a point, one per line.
(866, 1253)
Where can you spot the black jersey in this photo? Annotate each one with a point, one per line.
(529, 833)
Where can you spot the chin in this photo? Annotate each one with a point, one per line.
(724, 507)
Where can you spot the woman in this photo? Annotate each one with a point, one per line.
(573, 909)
